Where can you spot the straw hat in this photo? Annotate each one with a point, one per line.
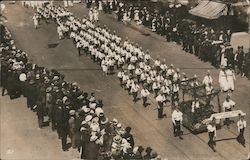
(117, 139)
(72, 112)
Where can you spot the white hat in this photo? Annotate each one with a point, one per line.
(98, 111)
(72, 112)
(92, 105)
(88, 118)
(80, 97)
(93, 138)
(95, 120)
(119, 125)
(114, 121)
(92, 99)
(83, 122)
(85, 109)
(22, 77)
(64, 99)
(82, 129)
(56, 78)
(117, 139)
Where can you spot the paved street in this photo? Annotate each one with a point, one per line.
(27, 141)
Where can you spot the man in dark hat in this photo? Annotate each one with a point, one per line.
(177, 122)
(138, 153)
(62, 124)
(72, 128)
(129, 137)
(85, 138)
(4, 76)
(39, 112)
(58, 116)
(148, 151)
(32, 94)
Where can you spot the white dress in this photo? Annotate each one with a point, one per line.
(223, 61)
(96, 15)
(91, 17)
(70, 3)
(65, 2)
(230, 78)
(136, 16)
(223, 81)
(100, 6)
(35, 21)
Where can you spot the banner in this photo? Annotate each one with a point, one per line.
(223, 115)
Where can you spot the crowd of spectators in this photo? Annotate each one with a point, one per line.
(72, 113)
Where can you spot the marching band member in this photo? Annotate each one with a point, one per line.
(177, 76)
(227, 105)
(144, 94)
(156, 87)
(59, 31)
(223, 80)
(120, 75)
(211, 128)
(177, 122)
(241, 124)
(230, 78)
(157, 64)
(35, 20)
(95, 15)
(209, 89)
(207, 79)
(160, 99)
(195, 105)
(170, 72)
(91, 15)
(134, 90)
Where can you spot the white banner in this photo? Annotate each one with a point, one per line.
(223, 115)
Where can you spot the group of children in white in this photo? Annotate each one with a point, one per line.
(136, 73)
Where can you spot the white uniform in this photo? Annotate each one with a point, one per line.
(195, 105)
(35, 20)
(144, 93)
(100, 5)
(211, 128)
(207, 79)
(91, 16)
(223, 81)
(228, 105)
(95, 15)
(241, 124)
(177, 116)
(230, 78)
(223, 61)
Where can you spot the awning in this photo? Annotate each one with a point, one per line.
(209, 9)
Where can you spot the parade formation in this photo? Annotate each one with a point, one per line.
(79, 116)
